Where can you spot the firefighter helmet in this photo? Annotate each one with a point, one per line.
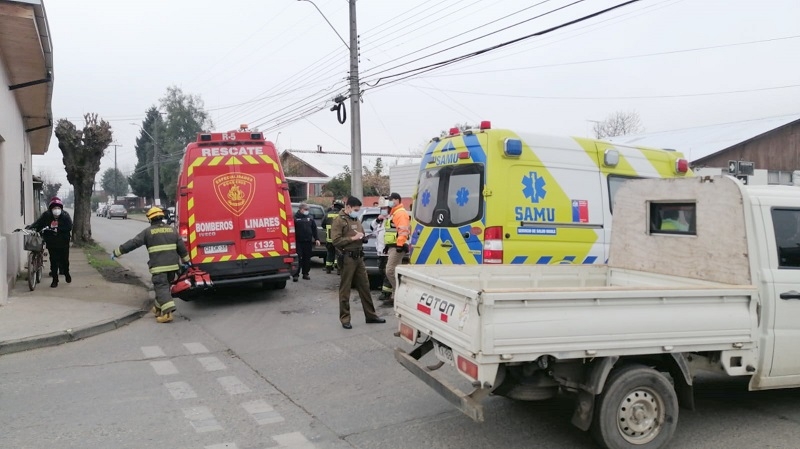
(155, 213)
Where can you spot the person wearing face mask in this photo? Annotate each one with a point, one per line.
(347, 234)
(305, 229)
(57, 226)
(399, 221)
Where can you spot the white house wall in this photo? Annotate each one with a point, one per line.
(15, 152)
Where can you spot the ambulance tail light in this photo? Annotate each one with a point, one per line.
(493, 245)
(467, 367)
(682, 166)
(184, 232)
(486, 124)
(463, 155)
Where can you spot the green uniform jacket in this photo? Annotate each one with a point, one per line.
(164, 246)
(343, 229)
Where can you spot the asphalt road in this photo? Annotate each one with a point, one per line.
(253, 368)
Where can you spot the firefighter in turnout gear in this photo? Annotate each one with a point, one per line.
(348, 236)
(400, 220)
(167, 251)
(332, 214)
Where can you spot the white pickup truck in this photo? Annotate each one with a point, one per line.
(703, 274)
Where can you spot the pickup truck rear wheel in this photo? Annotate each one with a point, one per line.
(637, 409)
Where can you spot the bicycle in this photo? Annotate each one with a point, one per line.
(34, 244)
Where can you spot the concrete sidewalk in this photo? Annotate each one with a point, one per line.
(90, 305)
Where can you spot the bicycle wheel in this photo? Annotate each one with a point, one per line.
(32, 268)
(39, 267)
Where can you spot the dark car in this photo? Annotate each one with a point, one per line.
(371, 256)
(117, 211)
(318, 212)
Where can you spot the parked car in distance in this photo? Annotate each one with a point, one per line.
(170, 215)
(117, 211)
(318, 212)
(371, 256)
(101, 210)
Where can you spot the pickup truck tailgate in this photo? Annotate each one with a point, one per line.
(438, 308)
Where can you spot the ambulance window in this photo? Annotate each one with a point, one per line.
(787, 237)
(464, 194)
(614, 183)
(427, 194)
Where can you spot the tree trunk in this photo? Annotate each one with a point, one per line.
(81, 228)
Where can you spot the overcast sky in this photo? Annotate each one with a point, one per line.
(116, 58)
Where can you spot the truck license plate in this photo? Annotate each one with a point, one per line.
(444, 354)
(216, 249)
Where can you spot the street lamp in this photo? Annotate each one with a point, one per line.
(356, 186)
(156, 169)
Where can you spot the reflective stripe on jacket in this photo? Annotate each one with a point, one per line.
(332, 215)
(165, 247)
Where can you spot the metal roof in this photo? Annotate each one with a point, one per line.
(701, 141)
(332, 164)
(309, 180)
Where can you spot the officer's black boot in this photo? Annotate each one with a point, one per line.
(54, 284)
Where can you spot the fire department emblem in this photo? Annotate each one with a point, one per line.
(235, 191)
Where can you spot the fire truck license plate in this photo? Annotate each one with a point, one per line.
(216, 249)
(444, 354)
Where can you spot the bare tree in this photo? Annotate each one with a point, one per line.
(82, 150)
(619, 123)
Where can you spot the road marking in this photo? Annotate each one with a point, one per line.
(180, 390)
(164, 368)
(233, 385)
(196, 348)
(294, 440)
(211, 363)
(223, 446)
(262, 412)
(201, 419)
(152, 352)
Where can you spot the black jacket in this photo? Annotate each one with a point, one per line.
(305, 228)
(163, 244)
(60, 229)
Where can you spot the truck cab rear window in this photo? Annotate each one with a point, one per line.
(450, 196)
(673, 218)
(787, 237)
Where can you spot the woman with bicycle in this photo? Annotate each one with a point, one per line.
(56, 227)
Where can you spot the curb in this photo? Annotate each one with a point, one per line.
(69, 335)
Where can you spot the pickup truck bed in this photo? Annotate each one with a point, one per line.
(573, 312)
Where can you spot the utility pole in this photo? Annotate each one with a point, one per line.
(116, 186)
(356, 186)
(156, 169)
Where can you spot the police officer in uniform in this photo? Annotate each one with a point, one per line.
(166, 250)
(332, 214)
(347, 234)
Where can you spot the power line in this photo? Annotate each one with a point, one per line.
(427, 68)
(591, 28)
(457, 35)
(474, 39)
(633, 97)
(619, 58)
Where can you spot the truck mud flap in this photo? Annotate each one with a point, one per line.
(469, 404)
